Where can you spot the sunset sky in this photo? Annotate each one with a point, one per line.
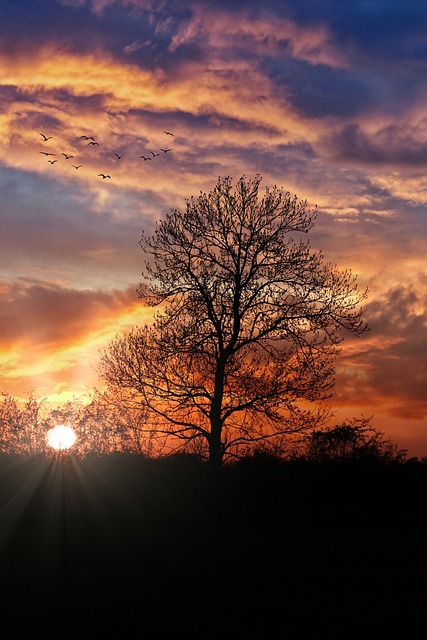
(325, 98)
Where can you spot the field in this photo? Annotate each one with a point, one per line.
(171, 548)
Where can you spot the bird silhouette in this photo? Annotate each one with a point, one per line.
(165, 150)
(154, 154)
(45, 138)
(47, 154)
(103, 176)
(168, 133)
(97, 143)
(87, 138)
(65, 156)
(145, 158)
(52, 161)
(117, 155)
(77, 166)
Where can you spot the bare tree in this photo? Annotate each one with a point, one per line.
(353, 441)
(23, 424)
(113, 423)
(248, 325)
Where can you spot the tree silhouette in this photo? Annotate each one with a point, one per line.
(248, 325)
(353, 441)
(23, 424)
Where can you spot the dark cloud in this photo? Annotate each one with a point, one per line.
(394, 144)
(320, 91)
(136, 31)
(10, 94)
(378, 30)
(384, 56)
(31, 25)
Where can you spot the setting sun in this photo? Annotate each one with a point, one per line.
(61, 437)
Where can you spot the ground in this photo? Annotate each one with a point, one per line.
(165, 551)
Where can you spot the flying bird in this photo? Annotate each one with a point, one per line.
(87, 138)
(66, 157)
(154, 154)
(168, 133)
(52, 161)
(145, 158)
(103, 176)
(117, 155)
(47, 154)
(165, 150)
(45, 138)
(77, 166)
(94, 143)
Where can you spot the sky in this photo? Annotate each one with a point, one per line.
(323, 98)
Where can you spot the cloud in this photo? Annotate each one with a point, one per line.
(135, 46)
(68, 232)
(388, 370)
(260, 36)
(46, 315)
(396, 144)
(51, 336)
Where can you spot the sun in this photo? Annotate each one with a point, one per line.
(61, 437)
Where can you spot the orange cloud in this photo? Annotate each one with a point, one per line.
(47, 332)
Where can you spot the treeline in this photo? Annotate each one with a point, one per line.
(103, 424)
(106, 424)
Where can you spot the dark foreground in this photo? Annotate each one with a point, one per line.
(124, 547)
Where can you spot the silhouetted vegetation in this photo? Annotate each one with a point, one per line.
(126, 543)
(353, 441)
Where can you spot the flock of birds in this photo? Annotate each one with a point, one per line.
(90, 140)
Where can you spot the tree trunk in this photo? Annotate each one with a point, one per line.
(215, 445)
(215, 448)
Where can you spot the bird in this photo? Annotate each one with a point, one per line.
(77, 166)
(65, 155)
(117, 155)
(103, 176)
(87, 138)
(52, 161)
(47, 154)
(45, 138)
(145, 158)
(154, 154)
(165, 150)
(168, 133)
(94, 143)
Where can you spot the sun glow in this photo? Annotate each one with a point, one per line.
(61, 437)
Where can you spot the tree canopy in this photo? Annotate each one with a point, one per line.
(249, 322)
(352, 441)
